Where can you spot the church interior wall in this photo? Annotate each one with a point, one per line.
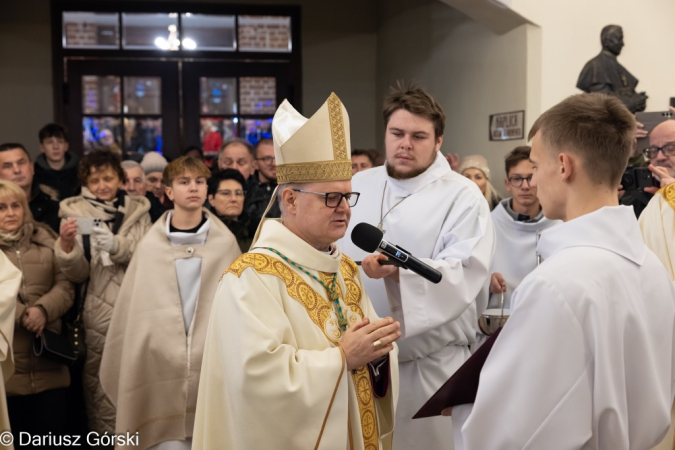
(338, 54)
(26, 93)
(472, 72)
(358, 48)
(570, 36)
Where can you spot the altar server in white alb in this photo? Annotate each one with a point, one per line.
(518, 220)
(153, 351)
(586, 359)
(443, 219)
(295, 356)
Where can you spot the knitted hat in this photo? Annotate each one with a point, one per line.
(153, 162)
(475, 162)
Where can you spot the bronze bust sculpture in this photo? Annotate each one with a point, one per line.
(604, 73)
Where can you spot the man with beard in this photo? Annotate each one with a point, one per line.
(442, 218)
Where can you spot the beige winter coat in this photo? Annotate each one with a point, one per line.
(104, 285)
(42, 284)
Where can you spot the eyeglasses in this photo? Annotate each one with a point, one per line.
(266, 159)
(229, 193)
(518, 181)
(653, 151)
(333, 199)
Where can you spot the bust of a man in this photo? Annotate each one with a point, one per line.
(604, 73)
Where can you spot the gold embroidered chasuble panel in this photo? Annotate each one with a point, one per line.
(320, 310)
(668, 194)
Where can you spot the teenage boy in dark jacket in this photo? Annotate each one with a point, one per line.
(56, 168)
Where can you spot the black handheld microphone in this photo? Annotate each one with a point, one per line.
(369, 239)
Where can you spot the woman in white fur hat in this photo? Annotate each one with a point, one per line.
(475, 168)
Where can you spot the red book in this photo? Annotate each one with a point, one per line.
(462, 386)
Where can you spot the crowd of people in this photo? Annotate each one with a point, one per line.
(219, 307)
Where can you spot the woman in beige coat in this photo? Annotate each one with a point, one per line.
(36, 392)
(102, 257)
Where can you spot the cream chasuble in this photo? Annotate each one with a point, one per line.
(150, 365)
(10, 280)
(273, 375)
(657, 224)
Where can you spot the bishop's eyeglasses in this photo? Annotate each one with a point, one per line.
(333, 199)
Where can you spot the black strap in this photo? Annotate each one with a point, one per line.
(86, 243)
(119, 215)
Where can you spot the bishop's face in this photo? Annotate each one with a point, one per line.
(546, 179)
(315, 222)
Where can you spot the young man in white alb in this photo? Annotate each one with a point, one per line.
(586, 359)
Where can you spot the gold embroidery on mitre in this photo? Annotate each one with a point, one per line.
(318, 308)
(668, 194)
(337, 128)
(314, 171)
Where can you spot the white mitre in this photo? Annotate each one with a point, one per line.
(315, 149)
(310, 150)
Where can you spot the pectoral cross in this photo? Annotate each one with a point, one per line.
(379, 227)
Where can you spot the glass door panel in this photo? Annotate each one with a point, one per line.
(125, 107)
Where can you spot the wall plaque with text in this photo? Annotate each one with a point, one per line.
(507, 126)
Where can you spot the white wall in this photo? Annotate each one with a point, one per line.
(338, 54)
(570, 36)
(25, 71)
(470, 70)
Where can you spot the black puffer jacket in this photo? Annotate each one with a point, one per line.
(64, 181)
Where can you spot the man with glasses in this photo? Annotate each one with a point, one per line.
(661, 150)
(262, 186)
(657, 221)
(660, 156)
(295, 354)
(518, 220)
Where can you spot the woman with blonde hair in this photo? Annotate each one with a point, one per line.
(36, 392)
(101, 258)
(475, 168)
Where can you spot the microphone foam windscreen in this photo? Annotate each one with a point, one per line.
(366, 237)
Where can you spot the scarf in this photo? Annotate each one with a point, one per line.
(16, 236)
(113, 211)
